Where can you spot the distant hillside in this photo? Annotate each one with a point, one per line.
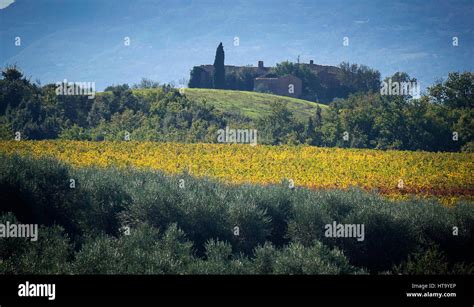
(251, 104)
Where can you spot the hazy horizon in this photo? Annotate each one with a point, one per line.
(84, 41)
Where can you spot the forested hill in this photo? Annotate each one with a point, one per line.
(441, 120)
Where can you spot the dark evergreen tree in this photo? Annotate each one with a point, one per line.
(309, 132)
(318, 120)
(197, 81)
(317, 135)
(14, 88)
(219, 70)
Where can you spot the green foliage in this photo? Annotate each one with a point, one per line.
(146, 83)
(254, 225)
(50, 254)
(12, 248)
(358, 78)
(187, 229)
(310, 216)
(455, 92)
(106, 199)
(318, 259)
(468, 147)
(39, 192)
(388, 238)
(406, 227)
(375, 121)
(264, 261)
(279, 127)
(98, 255)
(75, 132)
(277, 202)
(439, 121)
(6, 132)
(431, 262)
(240, 79)
(35, 120)
(219, 260)
(14, 88)
(144, 251)
(196, 79)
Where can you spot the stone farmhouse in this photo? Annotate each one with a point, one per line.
(265, 81)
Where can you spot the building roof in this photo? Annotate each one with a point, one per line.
(272, 76)
(324, 71)
(269, 75)
(231, 68)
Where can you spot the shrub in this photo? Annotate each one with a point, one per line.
(388, 238)
(107, 197)
(48, 255)
(318, 259)
(97, 256)
(179, 229)
(310, 216)
(141, 252)
(219, 260)
(37, 191)
(278, 203)
(432, 262)
(253, 225)
(196, 209)
(264, 261)
(12, 247)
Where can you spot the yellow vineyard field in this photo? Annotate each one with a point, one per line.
(398, 174)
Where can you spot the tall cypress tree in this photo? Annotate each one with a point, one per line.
(317, 129)
(219, 71)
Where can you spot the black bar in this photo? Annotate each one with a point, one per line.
(122, 287)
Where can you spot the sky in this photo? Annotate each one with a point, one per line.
(5, 3)
(86, 40)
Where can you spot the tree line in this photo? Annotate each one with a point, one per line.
(440, 120)
(347, 78)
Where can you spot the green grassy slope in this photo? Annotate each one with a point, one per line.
(251, 104)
